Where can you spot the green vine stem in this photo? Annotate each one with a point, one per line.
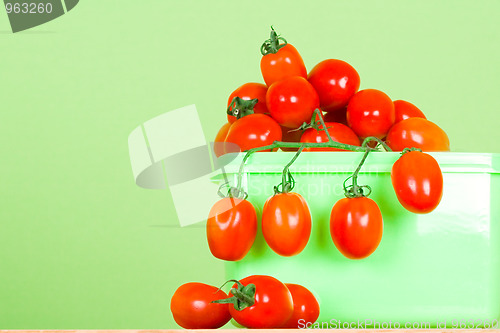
(243, 296)
(272, 45)
(354, 190)
(287, 181)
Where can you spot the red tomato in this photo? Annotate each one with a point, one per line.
(418, 182)
(356, 226)
(338, 132)
(273, 304)
(305, 306)
(336, 82)
(220, 138)
(290, 135)
(418, 133)
(254, 130)
(405, 110)
(192, 308)
(231, 228)
(339, 116)
(286, 223)
(370, 112)
(292, 101)
(247, 92)
(283, 64)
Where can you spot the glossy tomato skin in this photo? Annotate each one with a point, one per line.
(336, 82)
(405, 110)
(418, 182)
(273, 304)
(231, 228)
(292, 101)
(338, 132)
(252, 131)
(283, 64)
(219, 140)
(305, 306)
(356, 227)
(248, 91)
(192, 308)
(370, 112)
(286, 223)
(417, 133)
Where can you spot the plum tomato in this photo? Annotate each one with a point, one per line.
(356, 226)
(254, 130)
(249, 91)
(405, 110)
(335, 82)
(418, 182)
(305, 306)
(292, 101)
(192, 308)
(219, 140)
(417, 133)
(338, 132)
(370, 112)
(231, 228)
(286, 223)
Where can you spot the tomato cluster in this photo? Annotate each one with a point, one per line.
(257, 301)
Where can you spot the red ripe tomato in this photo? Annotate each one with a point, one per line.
(336, 82)
(219, 140)
(192, 308)
(339, 116)
(283, 64)
(305, 306)
(338, 132)
(370, 112)
(247, 92)
(292, 101)
(405, 110)
(286, 223)
(418, 182)
(356, 226)
(231, 228)
(417, 133)
(273, 304)
(290, 135)
(254, 130)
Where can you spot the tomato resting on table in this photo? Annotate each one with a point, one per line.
(335, 82)
(253, 131)
(356, 226)
(338, 132)
(292, 101)
(250, 91)
(418, 182)
(286, 223)
(231, 228)
(305, 306)
(192, 308)
(417, 133)
(370, 112)
(405, 110)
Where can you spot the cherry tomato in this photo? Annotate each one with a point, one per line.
(286, 223)
(370, 112)
(339, 116)
(290, 135)
(418, 133)
(292, 101)
(273, 304)
(247, 92)
(338, 132)
(192, 308)
(283, 64)
(305, 306)
(405, 110)
(356, 226)
(336, 82)
(254, 130)
(418, 182)
(219, 140)
(231, 228)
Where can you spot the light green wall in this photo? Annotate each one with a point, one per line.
(80, 245)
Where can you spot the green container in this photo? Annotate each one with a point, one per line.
(440, 269)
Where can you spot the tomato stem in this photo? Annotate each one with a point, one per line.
(243, 296)
(407, 150)
(354, 190)
(379, 142)
(287, 181)
(240, 107)
(272, 45)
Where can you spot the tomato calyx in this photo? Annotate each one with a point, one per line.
(243, 296)
(232, 192)
(407, 150)
(272, 45)
(240, 107)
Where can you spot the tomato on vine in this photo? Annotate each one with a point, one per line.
(305, 306)
(418, 133)
(249, 91)
(338, 132)
(405, 110)
(280, 60)
(192, 306)
(418, 181)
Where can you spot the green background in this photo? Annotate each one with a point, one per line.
(81, 246)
